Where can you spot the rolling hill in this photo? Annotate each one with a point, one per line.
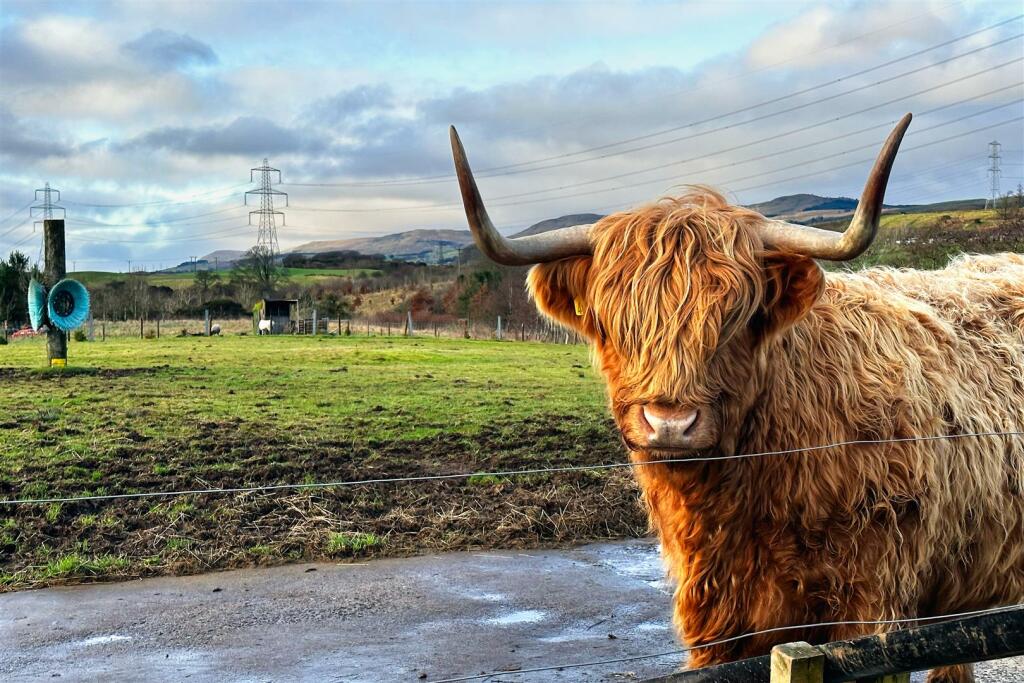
(413, 245)
(432, 246)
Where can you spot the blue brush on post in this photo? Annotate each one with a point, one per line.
(68, 305)
(36, 304)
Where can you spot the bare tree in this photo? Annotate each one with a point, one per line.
(258, 273)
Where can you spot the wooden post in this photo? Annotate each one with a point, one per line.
(142, 328)
(797, 663)
(158, 327)
(522, 333)
(53, 272)
(206, 321)
(103, 331)
(498, 331)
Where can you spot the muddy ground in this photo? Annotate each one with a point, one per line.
(83, 541)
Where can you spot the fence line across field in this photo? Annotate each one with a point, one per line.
(501, 328)
(723, 641)
(500, 473)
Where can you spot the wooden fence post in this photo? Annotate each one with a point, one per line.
(797, 663)
(54, 270)
(142, 330)
(158, 327)
(103, 331)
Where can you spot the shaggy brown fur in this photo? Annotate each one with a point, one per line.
(685, 306)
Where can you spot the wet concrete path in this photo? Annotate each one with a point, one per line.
(387, 620)
(425, 618)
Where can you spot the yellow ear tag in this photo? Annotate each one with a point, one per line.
(580, 307)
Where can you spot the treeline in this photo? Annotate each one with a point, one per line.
(377, 288)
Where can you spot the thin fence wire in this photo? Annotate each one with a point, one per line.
(723, 641)
(501, 473)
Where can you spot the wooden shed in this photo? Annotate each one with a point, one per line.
(282, 314)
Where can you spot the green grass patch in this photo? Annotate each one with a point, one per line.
(75, 564)
(349, 542)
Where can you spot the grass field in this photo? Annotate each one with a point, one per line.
(303, 276)
(136, 415)
(929, 240)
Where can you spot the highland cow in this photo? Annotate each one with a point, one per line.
(718, 335)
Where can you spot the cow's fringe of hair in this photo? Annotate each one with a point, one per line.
(689, 264)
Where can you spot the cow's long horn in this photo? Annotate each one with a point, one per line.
(836, 246)
(522, 251)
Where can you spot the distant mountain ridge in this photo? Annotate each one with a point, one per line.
(800, 203)
(444, 245)
(413, 245)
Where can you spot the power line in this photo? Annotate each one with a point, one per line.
(507, 473)
(498, 170)
(226, 232)
(577, 120)
(780, 112)
(802, 129)
(12, 229)
(494, 200)
(16, 212)
(167, 202)
(233, 231)
(867, 161)
(97, 225)
(756, 175)
(163, 221)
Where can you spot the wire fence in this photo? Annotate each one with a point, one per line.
(424, 325)
(504, 473)
(723, 641)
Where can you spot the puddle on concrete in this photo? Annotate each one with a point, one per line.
(102, 640)
(489, 597)
(651, 626)
(637, 562)
(525, 616)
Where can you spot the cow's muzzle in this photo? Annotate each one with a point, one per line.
(669, 429)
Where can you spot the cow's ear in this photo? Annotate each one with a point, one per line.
(793, 283)
(559, 289)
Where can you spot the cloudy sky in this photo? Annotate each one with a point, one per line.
(148, 116)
